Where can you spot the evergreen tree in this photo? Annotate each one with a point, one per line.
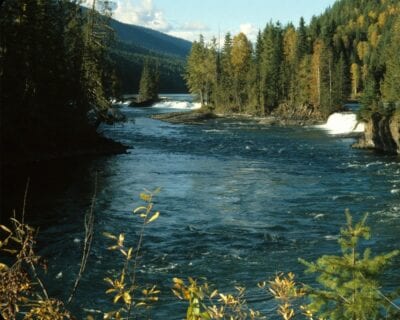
(302, 43)
(148, 88)
(201, 70)
(271, 58)
(254, 82)
(225, 84)
(349, 283)
(341, 84)
(391, 83)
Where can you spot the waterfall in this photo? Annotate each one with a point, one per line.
(341, 123)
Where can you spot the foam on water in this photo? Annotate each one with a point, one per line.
(340, 123)
(182, 105)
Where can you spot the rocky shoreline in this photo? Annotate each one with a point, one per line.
(200, 116)
(89, 144)
(192, 117)
(382, 133)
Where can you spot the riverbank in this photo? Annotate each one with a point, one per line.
(191, 117)
(199, 117)
(238, 191)
(86, 144)
(283, 115)
(382, 133)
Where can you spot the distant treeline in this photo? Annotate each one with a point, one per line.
(349, 52)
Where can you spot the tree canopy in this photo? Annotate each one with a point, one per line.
(350, 52)
(55, 67)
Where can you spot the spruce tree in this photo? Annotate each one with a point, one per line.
(391, 84)
(148, 87)
(349, 283)
(271, 59)
(225, 86)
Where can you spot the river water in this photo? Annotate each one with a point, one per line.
(240, 202)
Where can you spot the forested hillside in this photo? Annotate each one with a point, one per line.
(129, 59)
(151, 39)
(135, 44)
(349, 52)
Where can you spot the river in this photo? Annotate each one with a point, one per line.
(239, 202)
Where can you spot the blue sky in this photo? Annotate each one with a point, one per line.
(189, 18)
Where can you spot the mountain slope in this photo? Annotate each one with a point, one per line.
(135, 44)
(129, 60)
(151, 39)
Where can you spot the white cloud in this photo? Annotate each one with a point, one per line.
(187, 35)
(142, 13)
(190, 30)
(250, 30)
(195, 26)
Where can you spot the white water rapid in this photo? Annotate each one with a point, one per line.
(173, 104)
(342, 123)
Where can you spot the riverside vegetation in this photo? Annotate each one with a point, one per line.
(56, 68)
(348, 283)
(60, 64)
(55, 73)
(309, 71)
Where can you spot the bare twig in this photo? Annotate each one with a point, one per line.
(22, 224)
(25, 197)
(39, 281)
(139, 245)
(89, 226)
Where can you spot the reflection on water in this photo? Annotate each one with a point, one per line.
(239, 202)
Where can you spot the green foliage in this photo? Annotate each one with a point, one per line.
(149, 83)
(391, 81)
(146, 39)
(54, 68)
(349, 283)
(270, 69)
(201, 71)
(308, 65)
(240, 57)
(129, 60)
